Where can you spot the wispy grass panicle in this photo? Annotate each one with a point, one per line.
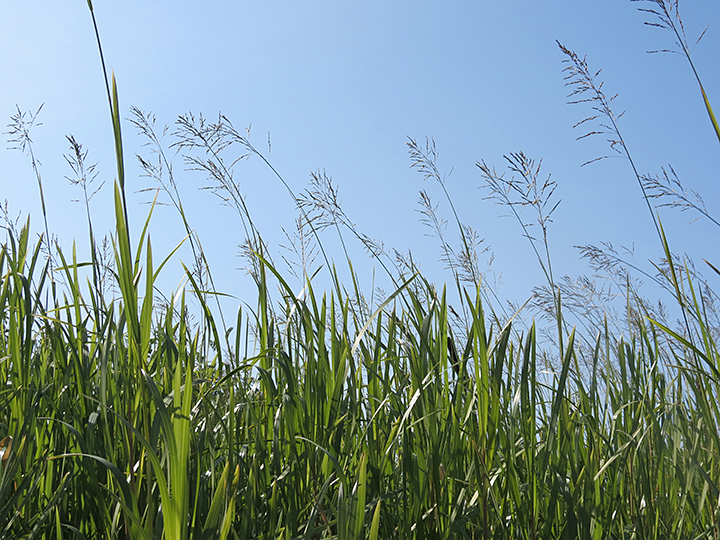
(464, 263)
(303, 247)
(322, 202)
(19, 128)
(666, 15)
(85, 175)
(585, 87)
(10, 223)
(528, 191)
(210, 140)
(669, 191)
(321, 206)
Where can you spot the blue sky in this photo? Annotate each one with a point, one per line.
(340, 86)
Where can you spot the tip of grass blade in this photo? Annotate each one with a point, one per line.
(711, 265)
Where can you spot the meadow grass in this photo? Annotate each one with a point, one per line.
(330, 415)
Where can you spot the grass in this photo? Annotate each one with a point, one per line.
(330, 415)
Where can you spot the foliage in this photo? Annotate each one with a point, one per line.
(330, 415)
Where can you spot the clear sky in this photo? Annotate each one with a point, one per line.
(340, 86)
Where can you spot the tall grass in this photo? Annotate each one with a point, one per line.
(328, 415)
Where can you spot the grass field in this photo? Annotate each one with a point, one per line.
(333, 415)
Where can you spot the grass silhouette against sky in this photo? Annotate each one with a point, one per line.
(328, 416)
(340, 88)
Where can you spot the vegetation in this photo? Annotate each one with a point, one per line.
(337, 416)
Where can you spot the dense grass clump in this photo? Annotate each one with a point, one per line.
(328, 415)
